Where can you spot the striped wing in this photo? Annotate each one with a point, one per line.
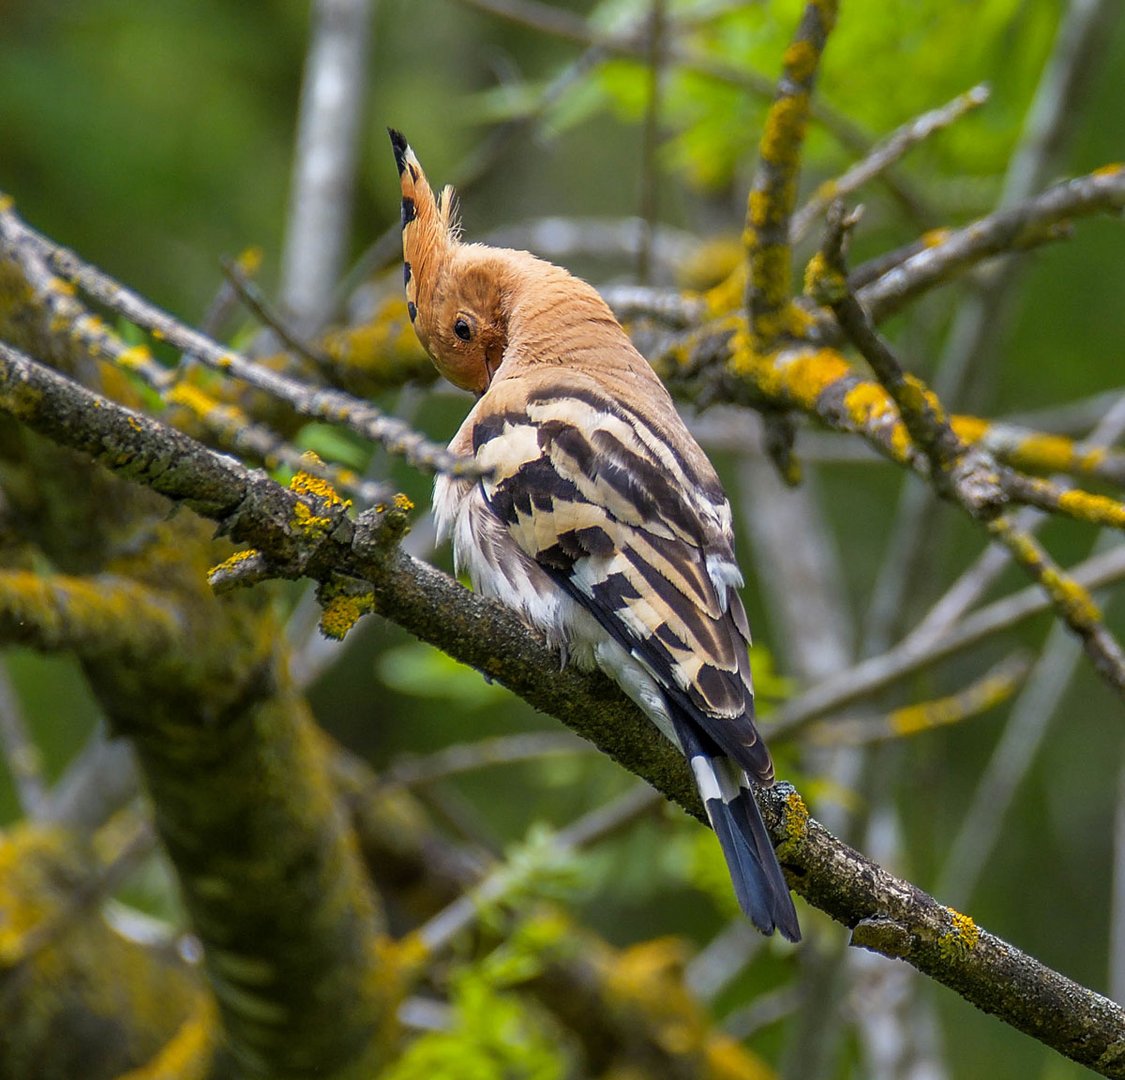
(620, 506)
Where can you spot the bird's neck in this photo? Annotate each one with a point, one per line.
(557, 318)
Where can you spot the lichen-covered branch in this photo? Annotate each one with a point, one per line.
(225, 424)
(332, 406)
(58, 965)
(773, 193)
(972, 481)
(268, 871)
(993, 688)
(910, 656)
(92, 616)
(892, 917)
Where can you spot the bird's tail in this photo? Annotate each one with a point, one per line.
(754, 870)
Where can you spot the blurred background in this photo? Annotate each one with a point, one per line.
(154, 139)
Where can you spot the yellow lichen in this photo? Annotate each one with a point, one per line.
(231, 563)
(756, 207)
(309, 522)
(800, 61)
(900, 442)
(919, 399)
(728, 295)
(933, 237)
(828, 10)
(1096, 509)
(189, 1054)
(1078, 603)
(826, 192)
(402, 502)
(1050, 453)
(962, 937)
(1112, 169)
(913, 718)
(250, 260)
(306, 483)
(795, 822)
(784, 130)
(770, 265)
(136, 356)
(339, 615)
(191, 397)
(808, 375)
(1091, 460)
(969, 429)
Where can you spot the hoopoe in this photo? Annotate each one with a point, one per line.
(601, 521)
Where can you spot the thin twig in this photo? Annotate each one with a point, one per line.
(453, 920)
(255, 301)
(631, 43)
(877, 673)
(483, 754)
(1008, 230)
(331, 406)
(993, 688)
(1012, 756)
(884, 154)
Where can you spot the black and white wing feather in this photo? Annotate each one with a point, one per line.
(606, 492)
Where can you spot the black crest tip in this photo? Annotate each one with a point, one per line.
(400, 146)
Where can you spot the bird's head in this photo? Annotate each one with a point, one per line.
(456, 293)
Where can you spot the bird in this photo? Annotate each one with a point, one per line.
(597, 518)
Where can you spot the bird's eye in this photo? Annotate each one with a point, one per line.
(462, 329)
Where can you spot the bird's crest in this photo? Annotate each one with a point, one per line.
(429, 228)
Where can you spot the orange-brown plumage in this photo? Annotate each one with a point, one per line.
(601, 520)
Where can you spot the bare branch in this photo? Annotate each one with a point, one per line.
(1005, 231)
(328, 126)
(482, 754)
(874, 675)
(884, 154)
